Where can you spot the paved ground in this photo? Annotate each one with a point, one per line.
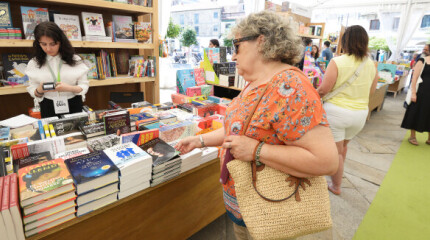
(368, 159)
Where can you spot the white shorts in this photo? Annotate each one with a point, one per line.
(344, 123)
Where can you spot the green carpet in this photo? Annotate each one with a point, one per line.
(401, 208)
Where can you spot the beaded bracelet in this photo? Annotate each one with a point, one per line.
(257, 154)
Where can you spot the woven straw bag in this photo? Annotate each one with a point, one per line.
(275, 205)
(285, 219)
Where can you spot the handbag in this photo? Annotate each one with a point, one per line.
(409, 93)
(276, 205)
(346, 83)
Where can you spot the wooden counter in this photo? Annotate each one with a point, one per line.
(397, 86)
(173, 210)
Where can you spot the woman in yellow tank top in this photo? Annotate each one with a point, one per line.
(348, 109)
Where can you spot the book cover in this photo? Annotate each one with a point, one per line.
(70, 26)
(206, 110)
(65, 126)
(199, 76)
(103, 142)
(177, 131)
(5, 16)
(140, 137)
(92, 128)
(207, 90)
(14, 207)
(93, 24)
(127, 155)
(117, 123)
(4, 133)
(72, 153)
(14, 65)
(143, 32)
(185, 79)
(122, 27)
(7, 217)
(194, 91)
(90, 60)
(42, 178)
(213, 55)
(89, 167)
(34, 158)
(31, 16)
(160, 151)
(223, 54)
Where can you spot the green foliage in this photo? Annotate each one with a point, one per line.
(378, 44)
(173, 30)
(189, 37)
(227, 42)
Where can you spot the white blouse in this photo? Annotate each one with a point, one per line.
(75, 76)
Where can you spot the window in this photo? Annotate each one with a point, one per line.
(374, 24)
(228, 25)
(396, 23)
(197, 30)
(425, 23)
(181, 19)
(215, 28)
(196, 18)
(215, 15)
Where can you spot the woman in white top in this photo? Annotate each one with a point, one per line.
(56, 64)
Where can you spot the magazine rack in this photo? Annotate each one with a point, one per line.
(98, 95)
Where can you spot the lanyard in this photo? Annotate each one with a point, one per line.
(52, 72)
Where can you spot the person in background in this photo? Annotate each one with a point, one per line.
(347, 111)
(315, 52)
(55, 62)
(327, 54)
(214, 43)
(308, 43)
(417, 115)
(413, 61)
(289, 124)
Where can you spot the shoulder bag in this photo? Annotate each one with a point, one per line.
(345, 84)
(276, 205)
(409, 93)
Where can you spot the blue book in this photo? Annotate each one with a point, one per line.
(185, 79)
(92, 171)
(4, 133)
(5, 16)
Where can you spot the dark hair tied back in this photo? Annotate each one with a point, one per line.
(51, 30)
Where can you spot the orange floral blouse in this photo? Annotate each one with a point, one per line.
(290, 107)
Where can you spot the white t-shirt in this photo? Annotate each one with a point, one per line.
(75, 76)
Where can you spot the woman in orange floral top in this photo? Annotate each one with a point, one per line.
(289, 121)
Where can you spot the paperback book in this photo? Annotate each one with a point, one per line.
(5, 16)
(122, 27)
(31, 17)
(91, 62)
(93, 24)
(14, 65)
(70, 26)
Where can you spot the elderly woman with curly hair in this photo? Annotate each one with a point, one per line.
(289, 123)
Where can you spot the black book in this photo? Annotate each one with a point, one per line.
(31, 160)
(65, 126)
(3, 170)
(160, 151)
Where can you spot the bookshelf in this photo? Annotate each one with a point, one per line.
(99, 91)
(172, 210)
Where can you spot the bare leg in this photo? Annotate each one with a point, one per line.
(412, 139)
(413, 134)
(337, 177)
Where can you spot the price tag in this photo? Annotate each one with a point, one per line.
(61, 105)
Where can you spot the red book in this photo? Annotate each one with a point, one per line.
(140, 137)
(2, 226)
(7, 218)
(14, 208)
(19, 151)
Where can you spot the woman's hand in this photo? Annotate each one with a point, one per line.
(188, 144)
(413, 97)
(64, 87)
(241, 147)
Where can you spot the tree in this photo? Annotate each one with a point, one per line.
(189, 37)
(227, 42)
(378, 44)
(173, 30)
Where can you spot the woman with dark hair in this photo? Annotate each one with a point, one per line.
(417, 115)
(348, 82)
(315, 52)
(57, 77)
(214, 43)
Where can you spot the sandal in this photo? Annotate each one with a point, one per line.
(428, 142)
(334, 191)
(413, 141)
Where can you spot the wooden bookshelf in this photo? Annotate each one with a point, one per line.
(310, 36)
(96, 97)
(233, 88)
(12, 43)
(172, 210)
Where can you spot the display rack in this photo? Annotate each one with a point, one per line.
(98, 94)
(336, 43)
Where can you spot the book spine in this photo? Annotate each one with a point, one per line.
(52, 131)
(41, 130)
(13, 200)
(46, 128)
(5, 197)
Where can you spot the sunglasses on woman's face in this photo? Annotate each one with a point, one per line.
(238, 40)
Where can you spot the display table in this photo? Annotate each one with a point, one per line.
(173, 210)
(397, 86)
(376, 100)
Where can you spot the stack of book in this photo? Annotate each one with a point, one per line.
(96, 180)
(135, 167)
(103, 142)
(140, 137)
(208, 154)
(72, 153)
(191, 160)
(10, 216)
(47, 195)
(166, 163)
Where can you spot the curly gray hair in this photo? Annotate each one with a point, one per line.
(281, 43)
